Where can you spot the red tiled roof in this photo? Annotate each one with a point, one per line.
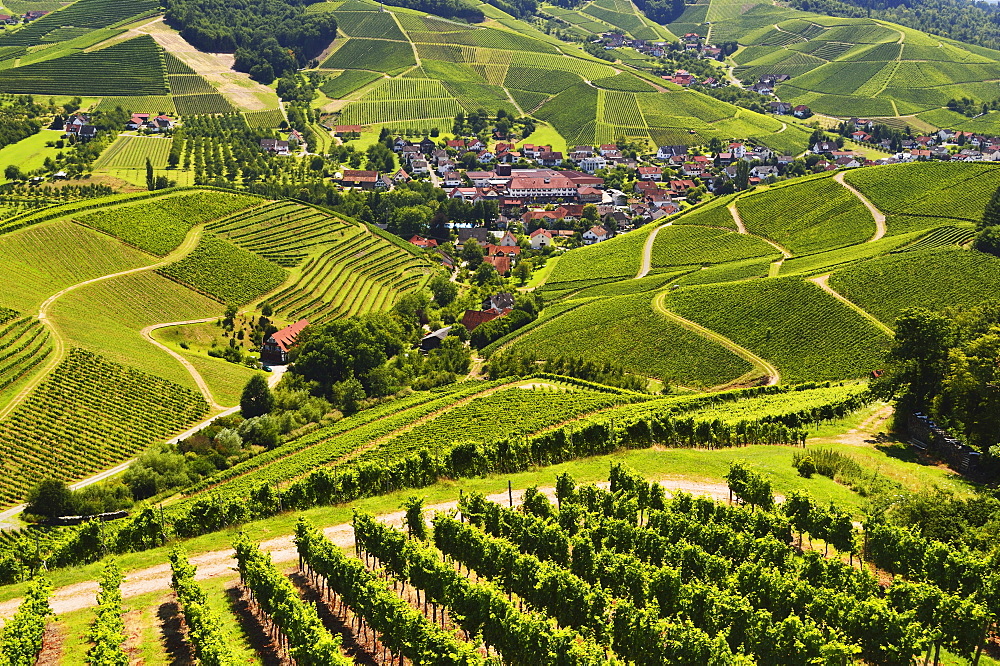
(473, 318)
(286, 337)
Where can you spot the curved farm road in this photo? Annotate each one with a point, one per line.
(282, 549)
(59, 351)
(742, 228)
(823, 282)
(762, 367)
(202, 385)
(876, 213)
(647, 252)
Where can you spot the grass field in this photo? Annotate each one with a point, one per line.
(808, 334)
(30, 153)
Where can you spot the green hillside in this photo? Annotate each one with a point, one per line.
(508, 64)
(849, 67)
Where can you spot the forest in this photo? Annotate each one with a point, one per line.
(972, 22)
(269, 37)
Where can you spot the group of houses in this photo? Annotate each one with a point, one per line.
(150, 123)
(27, 17)
(691, 44)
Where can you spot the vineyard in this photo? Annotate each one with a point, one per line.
(695, 246)
(928, 190)
(855, 66)
(159, 225)
(131, 152)
(712, 214)
(935, 279)
(808, 334)
(226, 271)
(376, 55)
(613, 259)
(89, 415)
(24, 345)
(131, 67)
(812, 216)
(626, 331)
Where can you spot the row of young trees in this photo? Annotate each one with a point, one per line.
(310, 643)
(402, 629)
(107, 632)
(204, 628)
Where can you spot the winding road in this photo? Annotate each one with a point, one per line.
(647, 251)
(59, 344)
(879, 216)
(823, 282)
(762, 367)
(742, 228)
(202, 385)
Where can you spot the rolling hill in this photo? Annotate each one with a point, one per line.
(851, 67)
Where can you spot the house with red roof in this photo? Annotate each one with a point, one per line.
(275, 348)
(420, 241)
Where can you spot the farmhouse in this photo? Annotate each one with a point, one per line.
(420, 241)
(353, 178)
(434, 340)
(275, 348)
(595, 234)
(540, 238)
(275, 146)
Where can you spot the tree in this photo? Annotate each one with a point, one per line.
(150, 179)
(988, 240)
(415, 524)
(991, 214)
(918, 358)
(12, 172)
(50, 498)
(522, 271)
(443, 289)
(257, 398)
(472, 253)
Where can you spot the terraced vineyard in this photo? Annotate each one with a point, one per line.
(613, 259)
(24, 345)
(89, 415)
(341, 268)
(160, 224)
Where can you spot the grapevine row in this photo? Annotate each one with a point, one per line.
(204, 627)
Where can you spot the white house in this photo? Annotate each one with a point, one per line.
(595, 234)
(540, 238)
(508, 240)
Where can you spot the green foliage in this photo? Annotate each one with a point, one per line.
(22, 635)
(618, 257)
(228, 273)
(109, 413)
(24, 345)
(204, 630)
(257, 399)
(713, 214)
(107, 633)
(749, 486)
(806, 333)
(160, 224)
(843, 469)
(807, 217)
(310, 642)
(935, 279)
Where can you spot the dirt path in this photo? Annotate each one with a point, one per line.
(59, 344)
(761, 366)
(647, 252)
(879, 216)
(195, 375)
(282, 549)
(742, 228)
(823, 282)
